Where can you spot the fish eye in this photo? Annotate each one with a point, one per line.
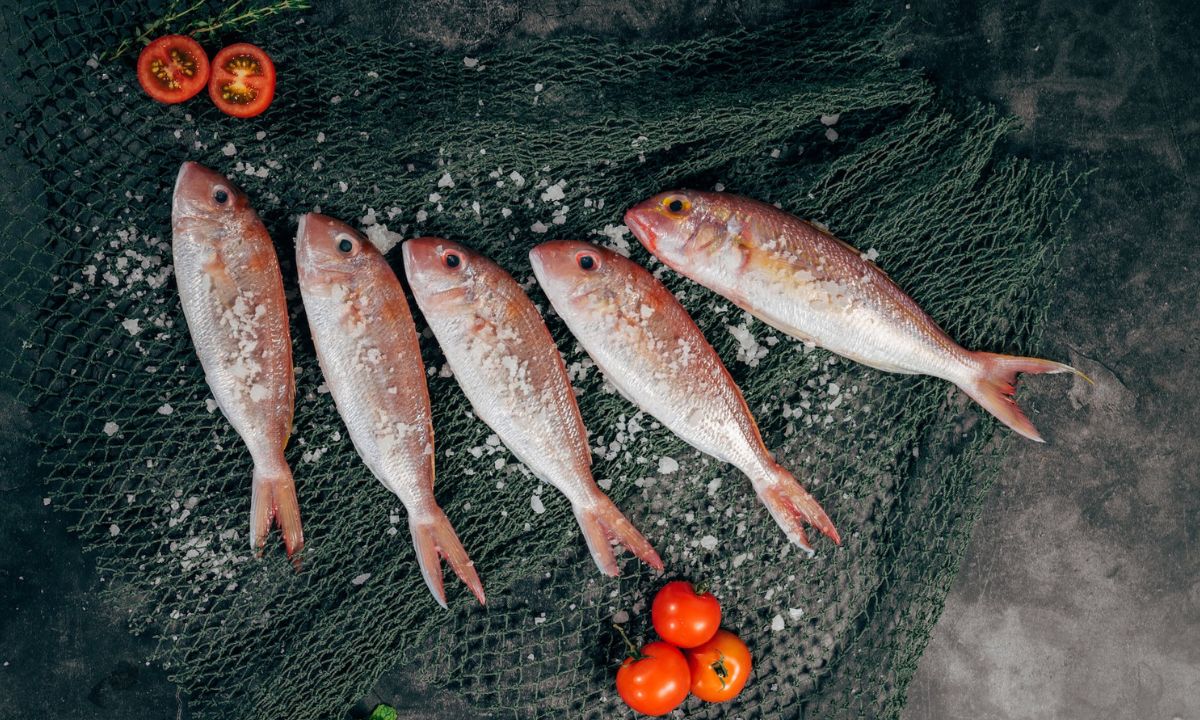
(220, 195)
(586, 261)
(676, 206)
(452, 260)
(345, 244)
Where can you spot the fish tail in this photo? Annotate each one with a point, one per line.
(601, 523)
(433, 537)
(273, 499)
(995, 383)
(792, 506)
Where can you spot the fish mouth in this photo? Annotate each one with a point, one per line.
(641, 228)
(300, 225)
(187, 171)
(539, 268)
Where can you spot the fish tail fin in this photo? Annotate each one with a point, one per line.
(273, 500)
(994, 384)
(434, 538)
(602, 522)
(792, 506)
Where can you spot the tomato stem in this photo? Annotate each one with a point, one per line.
(633, 651)
(719, 669)
(701, 587)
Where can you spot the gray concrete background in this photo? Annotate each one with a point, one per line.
(1079, 596)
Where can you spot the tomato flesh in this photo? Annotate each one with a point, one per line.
(719, 667)
(656, 682)
(173, 68)
(243, 80)
(684, 618)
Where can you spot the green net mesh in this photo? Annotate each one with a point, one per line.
(413, 141)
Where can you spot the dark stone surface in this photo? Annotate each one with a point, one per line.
(1080, 594)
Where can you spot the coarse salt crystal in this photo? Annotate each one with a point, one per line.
(536, 503)
(131, 326)
(667, 465)
(445, 181)
(554, 192)
(470, 62)
(360, 579)
(111, 428)
(165, 409)
(538, 227)
(777, 623)
(708, 542)
(229, 150)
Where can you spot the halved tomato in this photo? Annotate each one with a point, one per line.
(173, 68)
(243, 80)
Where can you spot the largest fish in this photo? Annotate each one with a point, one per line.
(369, 353)
(800, 279)
(509, 368)
(232, 295)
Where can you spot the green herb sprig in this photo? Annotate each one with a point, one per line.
(235, 15)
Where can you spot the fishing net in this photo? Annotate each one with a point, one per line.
(548, 139)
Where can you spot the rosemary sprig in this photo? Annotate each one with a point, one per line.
(234, 15)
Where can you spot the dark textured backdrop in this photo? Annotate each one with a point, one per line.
(1080, 595)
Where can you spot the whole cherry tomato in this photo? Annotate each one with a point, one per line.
(653, 680)
(684, 618)
(719, 667)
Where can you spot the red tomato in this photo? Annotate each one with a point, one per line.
(653, 680)
(719, 667)
(243, 80)
(684, 618)
(173, 68)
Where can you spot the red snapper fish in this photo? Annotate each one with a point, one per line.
(232, 296)
(650, 349)
(508, 366)
(371, 358)
(803, 281)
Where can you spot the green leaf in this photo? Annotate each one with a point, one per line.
(383, 712)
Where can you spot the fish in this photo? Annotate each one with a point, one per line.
(651, 350)
(370, 356)
(801, 280)
(231, 291)
(507, 364)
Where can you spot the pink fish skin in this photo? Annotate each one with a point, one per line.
(798, 278)
(371, 358)
(232, 296)
(508, 366)
(650, 349)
